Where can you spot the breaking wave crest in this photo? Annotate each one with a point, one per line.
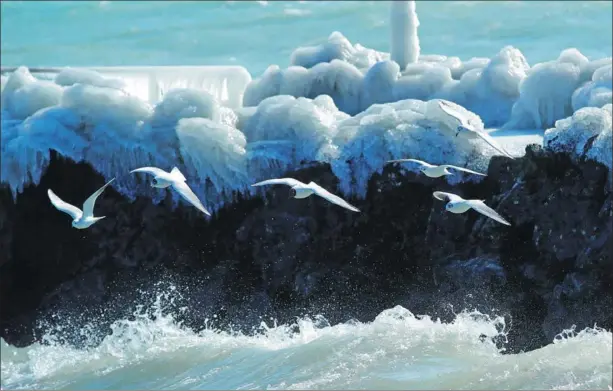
(152, 350)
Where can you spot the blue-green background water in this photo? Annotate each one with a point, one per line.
(257, 34)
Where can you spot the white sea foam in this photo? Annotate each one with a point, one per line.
(395, 350)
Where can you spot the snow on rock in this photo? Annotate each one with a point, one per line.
(404, 129)
(26, 145)
(587, 133)
(338, 79)
(298, 116)
(602, 147)
(504, 90)
(214, 155)
(490, 90)
(546, 92)
(284, 131)
(486, 87)
(598, 91)
(336, 48)
(23, 95)
(71, 76)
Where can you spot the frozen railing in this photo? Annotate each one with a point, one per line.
(226, 83)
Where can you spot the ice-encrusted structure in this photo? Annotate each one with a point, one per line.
(221, 151)
(337, 47)
(547, 92)
(338, 103)
(397, 130)
(597, 92)
(404, 39)
(284, 132)
(586, 134)
(71, 76)
(503, 90)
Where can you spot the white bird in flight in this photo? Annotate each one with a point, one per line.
(300, 190)
(467, 128)
(457, 204)
(162, 179)
(81, 219)
(434, 171)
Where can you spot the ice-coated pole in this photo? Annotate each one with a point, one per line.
(405, 42)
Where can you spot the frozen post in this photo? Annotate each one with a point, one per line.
(405, 43)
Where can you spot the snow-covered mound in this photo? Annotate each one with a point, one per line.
(398, 130)
(220, 150)
(586, 134)
(501, 90)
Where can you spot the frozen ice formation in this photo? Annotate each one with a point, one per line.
(404, 39)
(586, 134)
(504, 90)
(92, 121)
(338, 103)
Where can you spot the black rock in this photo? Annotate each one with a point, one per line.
(279, 257)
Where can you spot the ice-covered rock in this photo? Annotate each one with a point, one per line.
(298, 116)
(596, 92)
(546, 93)
(337, 47)
(587, 133)
(404, 129)
(23, 95)
(70, 76)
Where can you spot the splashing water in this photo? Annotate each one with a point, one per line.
(398, 350)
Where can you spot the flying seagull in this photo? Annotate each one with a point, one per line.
(162, 179)
(300, 190)
(81, 219)
(434, 171)
(467, 128)
(457, 204)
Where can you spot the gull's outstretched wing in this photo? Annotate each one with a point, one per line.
(88, 205)
(420, 162)
(150, 170)
(441, 195)
(323, 193)
(183, 189)
(463, 169)
(455, 113)
(279, 181)
(480, 207)
(490, 140)
(63, 206)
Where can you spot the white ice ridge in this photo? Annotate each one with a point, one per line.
(226, 83)
(503, 91)
(221, 151)
(91, 118)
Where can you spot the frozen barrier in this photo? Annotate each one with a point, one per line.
(226, 83)
(90, 117)
(85, 116)
(504, 90)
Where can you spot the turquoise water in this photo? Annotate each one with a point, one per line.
(257, 34)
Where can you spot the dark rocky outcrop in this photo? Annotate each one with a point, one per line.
(283, 258)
